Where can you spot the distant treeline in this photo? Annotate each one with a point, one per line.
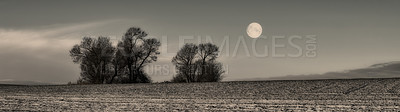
(101, 62)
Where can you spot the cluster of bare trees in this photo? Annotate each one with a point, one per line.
(197, 63)
(101, 62)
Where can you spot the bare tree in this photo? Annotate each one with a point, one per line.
(137, 51)
(185, 62)
(94, 56)
(197, 64)
(118, 65)
(207, 52)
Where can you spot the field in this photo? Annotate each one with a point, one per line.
(299, 95)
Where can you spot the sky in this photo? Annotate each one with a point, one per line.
(35, 36)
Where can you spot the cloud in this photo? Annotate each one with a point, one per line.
(42, 53)
(60, 35)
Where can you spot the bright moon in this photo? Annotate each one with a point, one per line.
(254, 30)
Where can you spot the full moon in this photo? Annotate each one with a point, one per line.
(254, 30)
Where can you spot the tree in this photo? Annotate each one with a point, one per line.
(94, 56)
(137, 51)
(213, 72)
(118, 65)
(197, 64)
(185, 62)
(207, 53)
(100, 62)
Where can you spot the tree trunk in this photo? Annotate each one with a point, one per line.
(103, 77)
(130, 73)
(134, 76)
(98, 74)
(115, 73)
(203, 69)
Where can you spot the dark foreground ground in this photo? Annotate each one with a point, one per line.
(311, 95)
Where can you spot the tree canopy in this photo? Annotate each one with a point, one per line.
(100, 62)
(197, 63)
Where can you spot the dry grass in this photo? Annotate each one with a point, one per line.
(311, 95)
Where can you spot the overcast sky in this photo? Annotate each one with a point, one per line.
(35, 36)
